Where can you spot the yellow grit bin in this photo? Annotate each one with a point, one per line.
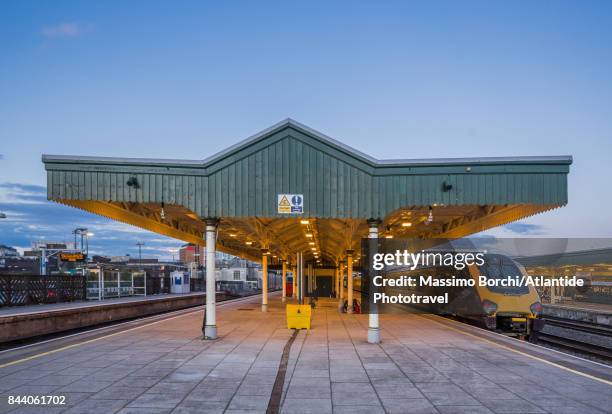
(298, 316)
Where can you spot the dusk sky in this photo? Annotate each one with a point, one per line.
(394, 80)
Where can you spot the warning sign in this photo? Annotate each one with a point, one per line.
(290, 204)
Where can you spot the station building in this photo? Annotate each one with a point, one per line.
(290, 190)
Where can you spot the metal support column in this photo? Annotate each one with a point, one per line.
(349, 283)
(291, 270)
(264, 280)
(43, 261)
(336, 277)
(294, 278)
(373, 323)
(284, 285)
(300, 278)
(210, 324)
(310, 284)
(341, 289)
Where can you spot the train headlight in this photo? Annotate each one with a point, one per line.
(536, 308)
(489, 307)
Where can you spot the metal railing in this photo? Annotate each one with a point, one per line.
(18, 290)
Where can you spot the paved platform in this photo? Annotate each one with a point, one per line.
(599, 313)
(51, 307)
(598, 307)
(422, 367)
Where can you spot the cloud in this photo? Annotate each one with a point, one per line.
(66, 29)
(15, 194)
(30, 217)
(525, 228)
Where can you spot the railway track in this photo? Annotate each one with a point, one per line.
(577, 345)
(580, 326)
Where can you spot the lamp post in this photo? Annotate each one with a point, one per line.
(80, 231)
(140, 244)
(87, 236)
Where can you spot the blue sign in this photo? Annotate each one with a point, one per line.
(297, 204)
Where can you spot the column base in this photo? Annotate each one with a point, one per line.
(264, 307)
(210, 332)
(374, 335)
(284, 300)
(349, 309)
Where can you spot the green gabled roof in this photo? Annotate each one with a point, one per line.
(337, 181)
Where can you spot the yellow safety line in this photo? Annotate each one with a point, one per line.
(53, 351)
(523, 353)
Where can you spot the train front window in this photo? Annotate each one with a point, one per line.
(500, 267)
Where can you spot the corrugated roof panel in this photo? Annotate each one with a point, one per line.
(334, 184)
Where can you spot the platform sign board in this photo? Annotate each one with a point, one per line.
(290, 204)
(72, 257)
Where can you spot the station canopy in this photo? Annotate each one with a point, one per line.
(332, 190)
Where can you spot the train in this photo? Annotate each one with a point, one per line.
(513, 310)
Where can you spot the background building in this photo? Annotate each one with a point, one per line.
(7, 251)
(190, 253)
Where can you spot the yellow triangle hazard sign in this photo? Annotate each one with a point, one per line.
(284, 202)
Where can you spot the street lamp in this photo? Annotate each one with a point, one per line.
(81, 231)
(140, 244)
(87, 236)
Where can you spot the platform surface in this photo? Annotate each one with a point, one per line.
(605, 308)
(421, 367)
(50, 307)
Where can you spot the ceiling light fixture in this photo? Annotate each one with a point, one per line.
(429, 216)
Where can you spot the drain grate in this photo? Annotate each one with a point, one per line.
(245, 309)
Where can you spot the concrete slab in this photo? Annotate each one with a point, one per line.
(425, 367)
(420, 367)
(599, 313)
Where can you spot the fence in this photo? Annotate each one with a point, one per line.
(33, 289)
